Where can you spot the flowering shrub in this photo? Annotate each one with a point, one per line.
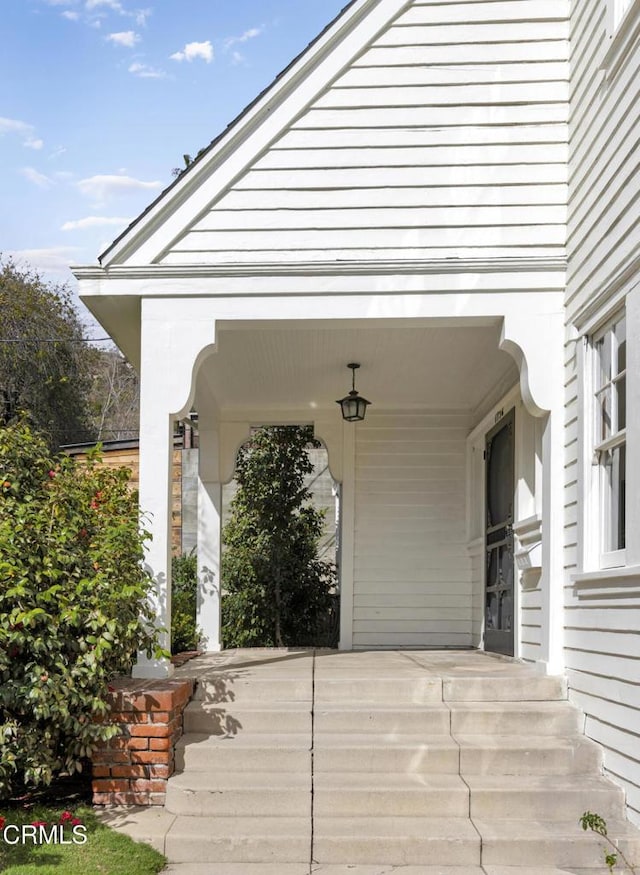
(73, 604)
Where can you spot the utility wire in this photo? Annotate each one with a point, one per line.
(53, 340)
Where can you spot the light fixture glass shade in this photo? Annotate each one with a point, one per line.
(353, 406)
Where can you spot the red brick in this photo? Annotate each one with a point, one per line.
(120, 742)
(137, 743)
(114, 756)
(150, 756)
(102, 771)
(157, 798)
(161, 716)
(128, 717)
(160, 744)
(129, 771)
(109, 785)
(156, 730)
(159, 770)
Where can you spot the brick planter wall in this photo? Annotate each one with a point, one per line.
(133, 768)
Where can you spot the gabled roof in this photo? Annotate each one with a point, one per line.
(318, 52)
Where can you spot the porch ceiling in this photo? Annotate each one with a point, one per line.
(403, 364)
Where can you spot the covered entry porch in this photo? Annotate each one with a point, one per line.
(440, 371)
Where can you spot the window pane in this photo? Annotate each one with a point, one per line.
(603, 424)
(614, 508)
(621, 397)
(620, 331)
(603, 351)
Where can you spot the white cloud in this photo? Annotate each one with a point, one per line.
(244, 37)
(36, 177)
(71, 16)
(126, 38)
(14, 126)
(195, 50)
(237, 57)
(105, 186)
(95, 222)
(115, 5)
(61, 2)
(141, 16)
(55, 259)
(59, 150)
(146, 72)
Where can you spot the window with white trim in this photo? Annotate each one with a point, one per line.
(609, 436)
(618, 10)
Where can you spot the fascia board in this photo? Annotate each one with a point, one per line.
(290, 95)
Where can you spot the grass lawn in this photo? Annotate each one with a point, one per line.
(104, 852)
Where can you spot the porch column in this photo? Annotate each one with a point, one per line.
(552, 542)
(209, 534)
(347, 535)
(156, 445)
(172, 344)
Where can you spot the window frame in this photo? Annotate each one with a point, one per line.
(601, 447)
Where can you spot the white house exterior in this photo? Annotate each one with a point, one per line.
(447, 194)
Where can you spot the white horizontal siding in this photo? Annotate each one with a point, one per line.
(445, 137)
(412, 582)
(604, 213)
(602, 637)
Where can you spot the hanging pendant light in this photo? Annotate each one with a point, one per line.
(353, 406)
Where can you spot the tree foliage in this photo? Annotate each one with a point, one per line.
(276, 592)
(73, 604)
(45, 368)
(184, 594)
(114, 399)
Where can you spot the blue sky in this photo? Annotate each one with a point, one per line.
(99, 100)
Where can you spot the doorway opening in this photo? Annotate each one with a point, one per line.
(500, 494)
(279, 555)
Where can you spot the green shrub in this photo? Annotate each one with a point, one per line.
(73, 604)
(184, 589)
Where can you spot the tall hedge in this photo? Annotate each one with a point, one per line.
(73, 604)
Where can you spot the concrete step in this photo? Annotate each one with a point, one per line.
(403, 690)
(396, 841)
(239, 840)
(533, 688)
(545, 797)
(382, 794)
(251, 690)
(513, 755)
(229, 720)
(515, 718)
(379, 869)
(399, 720)
(350, 752)
(255, 753)
(561, 843)
(240, 794)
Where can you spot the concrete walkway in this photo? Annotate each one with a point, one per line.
(369, 763)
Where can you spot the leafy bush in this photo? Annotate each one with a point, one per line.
(73, 604)
(276, 592)
(184, 588)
